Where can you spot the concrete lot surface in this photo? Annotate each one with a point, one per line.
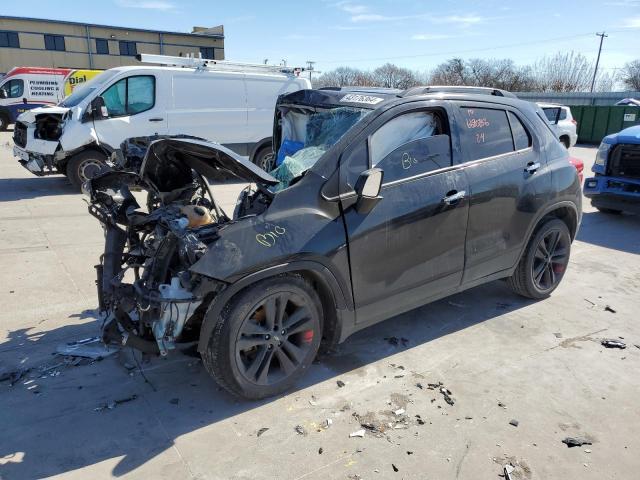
(503, 358)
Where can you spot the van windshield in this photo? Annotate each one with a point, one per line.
(83, 91)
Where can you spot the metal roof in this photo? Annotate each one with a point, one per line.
(82, 24)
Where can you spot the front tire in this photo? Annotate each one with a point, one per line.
(265, 159)
(544, 262)
(85, 166)
(266, 337)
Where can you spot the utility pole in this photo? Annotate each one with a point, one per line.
(310, 65)
(595, 71)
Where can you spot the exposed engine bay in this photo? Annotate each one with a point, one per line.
(148, 296)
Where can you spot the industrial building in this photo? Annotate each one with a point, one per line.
(56, 43)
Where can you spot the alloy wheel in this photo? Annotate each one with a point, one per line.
(89, 169)
(275, 338)
(550, 260)
(267, 162)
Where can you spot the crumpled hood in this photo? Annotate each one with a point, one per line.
(168, 164)
(30, 115)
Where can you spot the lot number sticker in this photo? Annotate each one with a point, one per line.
(356, 98)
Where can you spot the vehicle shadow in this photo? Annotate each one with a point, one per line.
(57, 430)
(619, 232)
(12, 189)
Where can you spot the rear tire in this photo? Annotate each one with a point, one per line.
(4, 123)
(544, 261)
(265, 159)
(84, 166)
(610, 211)
(266, 337)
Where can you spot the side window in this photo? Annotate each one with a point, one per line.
(14, 88)
(485, 133)
(130, 95)
(409, 145)
(521, 137)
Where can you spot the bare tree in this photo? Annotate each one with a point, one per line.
(451, 72)
(343, 76)
(630, 75)
(392, 76)
(563, 72)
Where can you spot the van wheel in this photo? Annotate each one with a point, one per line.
(266, 337)
(85, 166)
(265, 159)
(544, 262)
(4, 123)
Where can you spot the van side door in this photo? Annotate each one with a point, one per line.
(135, 106)
(508, 177)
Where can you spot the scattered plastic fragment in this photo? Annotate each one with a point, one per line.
(400, 411)
(501, 404)
(357, 433)
(576, 442)
(327, 423)
(89, 347)
(446, 394)
(340, 383)
(514, 422)
(261, 431)
(419, 385)
(111, 405)
(300, 430)
(395, 469)
(508, 470)
(612, 343)
(320, 450)
(607, 308)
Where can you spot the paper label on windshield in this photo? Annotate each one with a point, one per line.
(357, 98)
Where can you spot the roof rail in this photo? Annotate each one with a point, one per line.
(199, 63)
(456, 89)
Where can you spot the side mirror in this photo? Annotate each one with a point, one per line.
(98, 108)
(3, 93)
(368, 189)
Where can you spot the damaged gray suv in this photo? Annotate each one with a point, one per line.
(381, 201)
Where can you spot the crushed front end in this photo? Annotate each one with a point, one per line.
(150, 299)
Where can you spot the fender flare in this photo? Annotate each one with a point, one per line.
(320, 271)
(259, 146)
(543, 213)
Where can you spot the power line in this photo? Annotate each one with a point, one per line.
(457, 52)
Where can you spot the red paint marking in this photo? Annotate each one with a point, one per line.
(307, 337)
(38, 71)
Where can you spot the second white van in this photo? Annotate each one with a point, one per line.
(231, 104)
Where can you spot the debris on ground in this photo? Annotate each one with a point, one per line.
(576, 442)
(508, 470)
(607, 308)
(354, 476)
(357, 433)
(399, 411)
(340, 383)
(419, 420)
(558, 335)
(91, 347)
(613, 343)
(446, 393)
(261, 431)
(14, 376)
(111, 405)
(502, 404)
(395, 469)
(395, 341)
(300, 430)
(419, 385)
(320, 450)
(313, 401)
(514, 422)
(327, 423)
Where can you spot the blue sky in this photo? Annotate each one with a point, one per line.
(411, 33)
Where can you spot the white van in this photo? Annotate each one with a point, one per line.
(228, 103)
(24, 88)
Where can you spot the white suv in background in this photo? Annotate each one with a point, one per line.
(566, 126)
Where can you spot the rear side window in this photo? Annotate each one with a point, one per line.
(410, 145)
(521, 137)
(130, 95)
(485, 133)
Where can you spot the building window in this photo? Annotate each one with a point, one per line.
(102, 46)
(9, 39)
(208, 52)
(128, 48)
(54, 42)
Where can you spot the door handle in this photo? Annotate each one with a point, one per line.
(532, 167)
(156, 119)
(454, 197)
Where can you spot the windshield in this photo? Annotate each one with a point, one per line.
(82, 92)
(306, 135)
